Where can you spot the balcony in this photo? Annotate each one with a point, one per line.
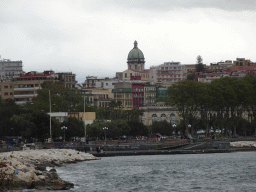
(25, 96)
(26, 88)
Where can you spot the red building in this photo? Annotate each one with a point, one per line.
(137, 95)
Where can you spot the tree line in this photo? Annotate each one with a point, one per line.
(227, 103)
(33, 123)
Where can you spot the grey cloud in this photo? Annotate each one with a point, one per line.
(167, 5)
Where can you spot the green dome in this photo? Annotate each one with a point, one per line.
(135, 53)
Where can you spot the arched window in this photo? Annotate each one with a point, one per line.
(173, 118)
(154, 117)
(163, 117)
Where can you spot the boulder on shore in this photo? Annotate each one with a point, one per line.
(30, 167)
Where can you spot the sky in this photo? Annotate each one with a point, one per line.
(94, 37)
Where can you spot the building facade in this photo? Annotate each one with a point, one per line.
(26, 86)
(159, 112)
(90, 82)
(137, 95)
(149, 93)
(6, 89)
(68, 78)
(123, 92)
(106, 83)
(9, 69)
(168, 73)
(219, 66)
(243, 62)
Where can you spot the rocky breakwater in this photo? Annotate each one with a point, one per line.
(27, 169)
(243, 144)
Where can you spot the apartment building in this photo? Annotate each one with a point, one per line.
(219, 66)
(168, 73)
(6, 89)
(90, 82)
(106, 83)
(243, 62)
(99, 97)
(123, 92)
(26, 86)
(9, 69)
(68, 78)
(137, 95)
(149, 93)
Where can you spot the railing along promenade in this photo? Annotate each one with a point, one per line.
(114, 145)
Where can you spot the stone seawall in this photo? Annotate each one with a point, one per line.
(28, 168)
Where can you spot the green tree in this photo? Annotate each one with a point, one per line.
(61, 98)
(138, 129)
(75, 128)
(188, 97)
(164, 128)
(199, 65)
(191, 76)
(8, 108)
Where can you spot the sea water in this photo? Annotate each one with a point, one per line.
(187, 172)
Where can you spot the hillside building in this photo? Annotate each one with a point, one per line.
(9, 69)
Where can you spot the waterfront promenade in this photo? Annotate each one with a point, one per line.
(121, 148)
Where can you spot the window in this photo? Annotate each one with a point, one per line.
(125, 75)
(6, 86)
(6, 93)
(163, 117)
(172, 116)
(106, 84)
(154, 117)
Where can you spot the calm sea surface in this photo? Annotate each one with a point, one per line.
(192, 172)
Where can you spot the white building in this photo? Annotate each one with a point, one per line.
(168, 73)
(106, 83)
(9, 69)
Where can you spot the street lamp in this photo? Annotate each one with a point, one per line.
(84, 124)
(189, 126)
(64, 131)
(50, 116)
(174, 126)
(105, 129)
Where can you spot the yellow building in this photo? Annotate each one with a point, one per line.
(127, 74)
(6, 90)
(84, 116)
(243, 62)
(101, 97)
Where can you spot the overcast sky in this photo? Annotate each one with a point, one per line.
(94, 37)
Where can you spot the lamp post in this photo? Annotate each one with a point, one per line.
(189, 126)
(50, 116)
(105, 129)
(64, 131)
(174, 126)
(84, 124)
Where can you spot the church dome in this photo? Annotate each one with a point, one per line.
(135, 53)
